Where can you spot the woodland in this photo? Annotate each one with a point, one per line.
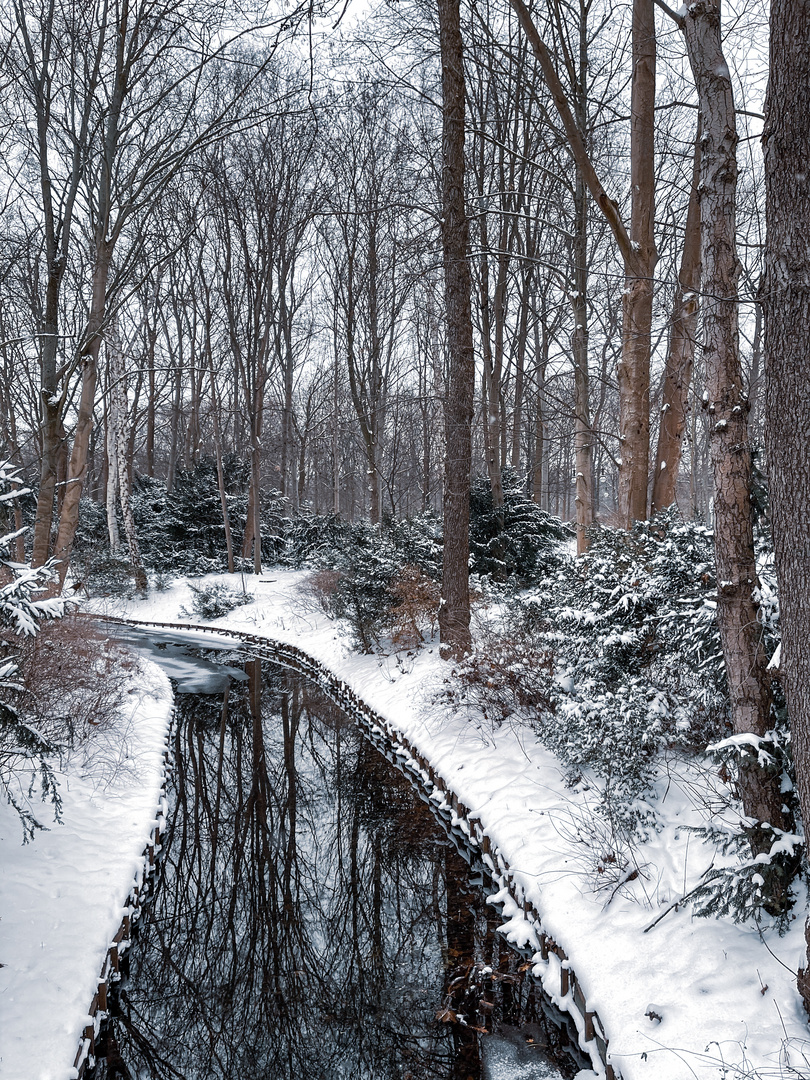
(427, 297)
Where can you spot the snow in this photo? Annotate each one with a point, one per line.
(63, 896)
(725, 993)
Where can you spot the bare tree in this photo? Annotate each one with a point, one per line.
(636, 244)
(727, 403)
(454, 614)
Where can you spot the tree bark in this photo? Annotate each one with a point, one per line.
(634, 366)
(454, 613)
(51, 413)
(740, 632)
(680, 355)
(583, 434)
(111, 494)
(785, 294)
(120, 421)
(69, 517)
(637, 248)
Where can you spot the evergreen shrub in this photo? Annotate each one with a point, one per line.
(527, 545)
(212, 600)
(613, 657)
(380, 579)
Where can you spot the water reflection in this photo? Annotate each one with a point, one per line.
(311, 920)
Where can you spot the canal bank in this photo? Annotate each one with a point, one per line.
(678, 996)
(687, 998)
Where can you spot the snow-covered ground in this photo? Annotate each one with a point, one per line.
(725, 993)
(63, 895)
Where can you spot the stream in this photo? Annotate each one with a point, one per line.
(310, 917)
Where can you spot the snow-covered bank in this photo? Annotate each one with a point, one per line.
(62, 896)
(725, 993)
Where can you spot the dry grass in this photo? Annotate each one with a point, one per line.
(72, 679)
(414, 612)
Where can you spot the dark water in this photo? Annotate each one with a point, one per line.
(310, 918)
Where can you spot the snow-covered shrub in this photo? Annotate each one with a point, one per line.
(364, 569)
(380, 580)
(752, 884)
(613, 658)
(211, 600)
(23, 750)
(184, 528)
(311, 538)
(529, 541)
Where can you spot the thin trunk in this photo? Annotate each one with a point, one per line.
(583, 434)
(540, 452)
(520, 370)
(335, 436)
(489, 382)
(637, 248)
(176, 413)
(121, 440)
(51, 418)
(681, 354)
(111, 497)
(454, 613)
(223, 497)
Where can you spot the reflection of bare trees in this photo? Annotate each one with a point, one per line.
(310, 919)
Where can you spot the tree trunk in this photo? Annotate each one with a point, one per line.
(634, 367)
(680, 355)
(69, 517)
(223, 497)
(540, 448)
(583, 434)
(120, 442)
(454, 613)
(490, 382)
(51, 414)
(727, 404)
(637, 248)
(111, 494)
(786, 301)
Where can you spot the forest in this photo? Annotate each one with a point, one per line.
(492, 316)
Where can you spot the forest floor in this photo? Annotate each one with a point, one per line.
(721, 995)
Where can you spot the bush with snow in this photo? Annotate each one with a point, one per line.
(614, 659)
(520, 547)
(212, 600)
(23, 749)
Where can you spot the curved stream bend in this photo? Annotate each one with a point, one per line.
(582, 1029)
